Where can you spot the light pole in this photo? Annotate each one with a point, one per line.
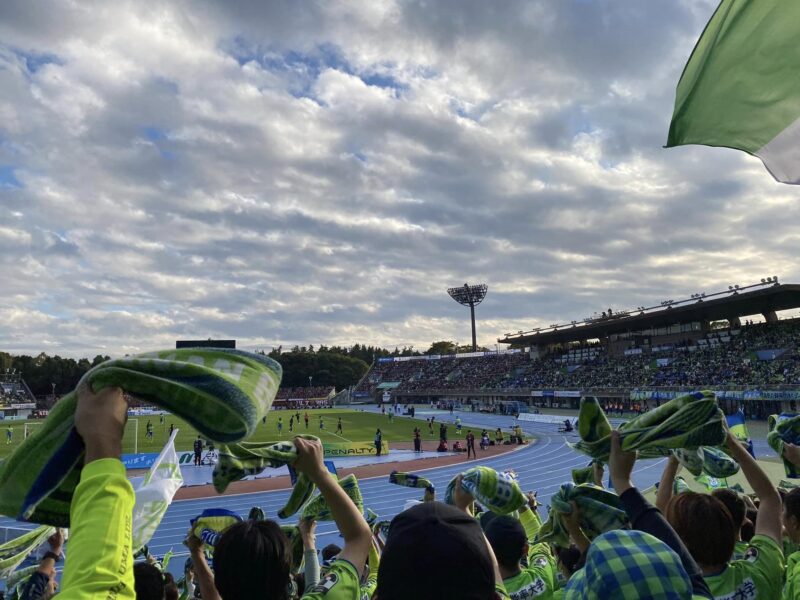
(470, 295)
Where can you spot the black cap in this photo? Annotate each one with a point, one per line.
(435, 551)
(507, 538)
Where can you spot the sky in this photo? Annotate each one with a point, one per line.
(295, 172)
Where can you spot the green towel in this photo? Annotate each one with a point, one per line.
(785, 432)
(371, 516)
(679, 486)
(16, 581)
(498, 492)
(221, 393)
(414, 481)
(292, 533)
(250, 458)
(318, 509)
(13, 552)
(584, 474)
(600, 511)
(708, 460)
(689, 421)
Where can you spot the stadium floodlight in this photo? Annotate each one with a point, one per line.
(470, 295)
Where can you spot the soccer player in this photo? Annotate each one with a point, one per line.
(391, 417)
(417, 440)
(9, 434)
(148, 430)
(458, 425)
(291, 424)
(198, 451)
(378, 442)
(171, 428)
(306, 418)
(339, 426)
(161, 418)
(280, 425)
(321, 424)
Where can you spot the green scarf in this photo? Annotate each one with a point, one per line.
(785, 432)
(221, 393)
(250, 458)
(292, 533)
(414, 481)
(689, 421)
(711, 461)
(498, 492)
(13, 552)
(318, 509)
(600, 511)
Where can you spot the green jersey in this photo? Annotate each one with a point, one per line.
(792, 588)
(340, 581)
(758, 575)
(739, 550)
(538, 579)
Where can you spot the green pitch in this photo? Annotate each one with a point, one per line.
(357, 426)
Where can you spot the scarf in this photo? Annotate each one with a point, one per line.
(688, 421)
(414, 481)
(318, 509)
(14, 552)
(711, 461)
(498, 492)
(600, 511)
(785, 431)
(222, 393)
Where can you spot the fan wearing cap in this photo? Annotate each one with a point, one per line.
(435, 551)
(509, 540)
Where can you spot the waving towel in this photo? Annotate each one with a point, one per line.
(414, 481)
(221, 393)
(785, 431)
(13, 552)
(711, 461)
(584, 474)
(496, 491)
(689, 421)
(318, 509)
(212, 522)
(600, 511)
(250, 458)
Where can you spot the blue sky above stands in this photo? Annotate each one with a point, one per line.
(320, 172)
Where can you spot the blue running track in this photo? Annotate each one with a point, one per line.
(543, 467)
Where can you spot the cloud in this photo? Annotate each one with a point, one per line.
(303, 172)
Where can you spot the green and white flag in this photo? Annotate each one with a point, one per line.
(741, 86)
(155, 493)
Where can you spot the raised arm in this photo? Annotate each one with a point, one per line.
(664, 494)
(354, 529)
(646, 517)
(308, 528)
(100, 563)
(768, 522)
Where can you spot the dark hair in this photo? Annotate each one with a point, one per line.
(300, 582)
(734, 503)
(747, 531)
(329, 551)
(705, 525)
(791, 504)
(148, 582)
(170, 587)
(252, 560)
(507, 538)
(569, 557)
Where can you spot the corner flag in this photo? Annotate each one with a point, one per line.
(741, 86)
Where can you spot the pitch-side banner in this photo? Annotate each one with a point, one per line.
(341, 449)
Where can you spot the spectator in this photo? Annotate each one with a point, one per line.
(148, 582)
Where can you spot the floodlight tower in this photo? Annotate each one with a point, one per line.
(470, 295)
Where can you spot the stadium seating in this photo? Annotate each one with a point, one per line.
(764, 355)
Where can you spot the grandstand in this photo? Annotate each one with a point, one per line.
(304, 397)
(632, 358)
(16, 400)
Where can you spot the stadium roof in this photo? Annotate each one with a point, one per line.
(737, 302)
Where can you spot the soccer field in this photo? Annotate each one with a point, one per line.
(357, 426)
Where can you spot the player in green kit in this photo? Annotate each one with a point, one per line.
(9, 435)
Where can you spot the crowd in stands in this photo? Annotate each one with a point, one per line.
(306, 393)
(721, 358)
(689, 545)
(12, 391)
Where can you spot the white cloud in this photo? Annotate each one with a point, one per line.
(321, 172)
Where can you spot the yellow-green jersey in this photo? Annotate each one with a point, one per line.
(100, 561)
(758, 575)
(791, 590)
(538, 579)
(340, 581)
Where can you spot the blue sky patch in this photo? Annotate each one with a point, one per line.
(8, 177)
